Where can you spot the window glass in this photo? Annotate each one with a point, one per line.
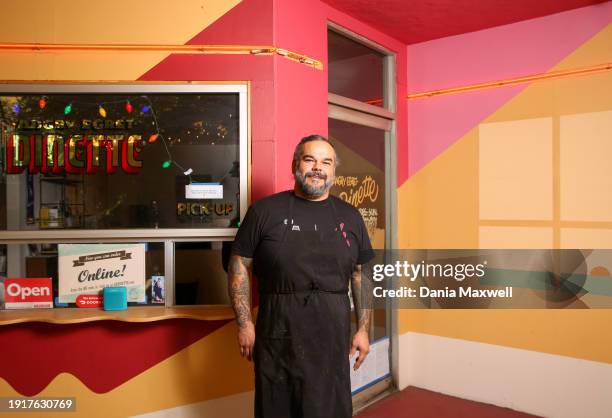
(360, 178)
(200, 273)
(354, 70)
(105, 161)
(78, 272)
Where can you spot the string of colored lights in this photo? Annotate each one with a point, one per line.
(158, 135)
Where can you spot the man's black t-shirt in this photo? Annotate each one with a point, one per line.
(262, 228)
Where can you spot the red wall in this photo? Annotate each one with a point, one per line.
(301, 94)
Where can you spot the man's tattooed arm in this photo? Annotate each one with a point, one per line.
(239, 289)
(362, 297)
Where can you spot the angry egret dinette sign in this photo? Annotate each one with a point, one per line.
(74, 146)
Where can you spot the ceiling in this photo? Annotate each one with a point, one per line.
(413, 21)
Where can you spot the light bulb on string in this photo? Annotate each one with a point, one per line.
(102, 111)
(16, 108)
(42, 103)
(166, 163)
(153, 138)
(128, 107)
(145, 108)
(68, 109)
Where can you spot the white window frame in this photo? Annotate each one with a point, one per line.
(143, 234)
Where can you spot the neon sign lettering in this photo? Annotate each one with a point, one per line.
(73, 154)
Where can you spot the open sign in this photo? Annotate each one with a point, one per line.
(26, 293)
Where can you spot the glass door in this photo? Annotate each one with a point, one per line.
(362, 179)
(361, 111)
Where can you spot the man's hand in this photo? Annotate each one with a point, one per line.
(246, 340)
(362, 298)
(361, 343)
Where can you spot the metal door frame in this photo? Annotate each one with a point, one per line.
(353, 111)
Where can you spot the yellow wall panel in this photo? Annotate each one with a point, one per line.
(515, 169)
(106, 22)
(439, 208)
(512, 237)
(586, 238)
(586, 175)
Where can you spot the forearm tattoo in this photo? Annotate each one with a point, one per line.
(239, 289)
(362, 297)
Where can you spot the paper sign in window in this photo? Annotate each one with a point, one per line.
(204, 191)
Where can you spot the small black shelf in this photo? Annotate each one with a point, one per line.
(61, 180)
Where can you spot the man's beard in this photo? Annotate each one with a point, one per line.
(311, 190)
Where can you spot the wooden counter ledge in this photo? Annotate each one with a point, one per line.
(132, 314)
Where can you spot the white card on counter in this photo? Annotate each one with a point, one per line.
(204, 191)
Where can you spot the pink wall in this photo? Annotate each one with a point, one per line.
(249, 23)
(524, 48)
(301, 93)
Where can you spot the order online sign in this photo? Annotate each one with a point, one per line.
(86, 269)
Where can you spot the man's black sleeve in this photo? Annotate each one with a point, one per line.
(365, 247)
(248, 236)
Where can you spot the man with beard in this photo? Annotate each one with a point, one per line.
(304, 246)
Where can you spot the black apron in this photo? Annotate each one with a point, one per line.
(303, 326)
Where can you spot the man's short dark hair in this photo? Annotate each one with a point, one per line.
(299, 148)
